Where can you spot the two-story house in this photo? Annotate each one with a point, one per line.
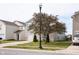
(53, 36)
(7, 29)
(12, 30)
(75, 24)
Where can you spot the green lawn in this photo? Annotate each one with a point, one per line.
(7, 41)
(46, 46)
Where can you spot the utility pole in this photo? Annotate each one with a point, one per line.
(40, 7)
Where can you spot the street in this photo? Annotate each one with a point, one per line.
(5, 51)
(13, 51)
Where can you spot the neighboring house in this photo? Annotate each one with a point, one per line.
(7, 29)
(12, 30)
(75, 24)
(52, 36)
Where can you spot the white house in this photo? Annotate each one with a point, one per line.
(75, 23)
(12, 30)
(18, 30)
(7, 29)
(52, 36)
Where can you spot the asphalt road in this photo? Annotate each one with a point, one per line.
(4, 51)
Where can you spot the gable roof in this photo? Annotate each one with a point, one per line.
(28, 21)
(21, 22)
(8, 22)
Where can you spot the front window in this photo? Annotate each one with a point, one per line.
(21, 28)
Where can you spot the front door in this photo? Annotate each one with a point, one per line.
(17, 36)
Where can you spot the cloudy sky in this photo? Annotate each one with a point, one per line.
(24, 11)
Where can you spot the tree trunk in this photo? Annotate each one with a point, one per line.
(47, 38)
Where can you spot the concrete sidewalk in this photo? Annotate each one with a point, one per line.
(72, 47)
(16, 51)
(72, 50)
(13, 43)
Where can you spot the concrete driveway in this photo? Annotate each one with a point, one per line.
(13, 43)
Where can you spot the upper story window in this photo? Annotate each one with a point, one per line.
(21, 28)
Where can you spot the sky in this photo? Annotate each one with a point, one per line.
(24, 11)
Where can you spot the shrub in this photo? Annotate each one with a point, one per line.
(47, 38)
(68, 38)
(0, 38)
(35, 39)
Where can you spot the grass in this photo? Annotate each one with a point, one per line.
(7, 41)
(46, 46)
